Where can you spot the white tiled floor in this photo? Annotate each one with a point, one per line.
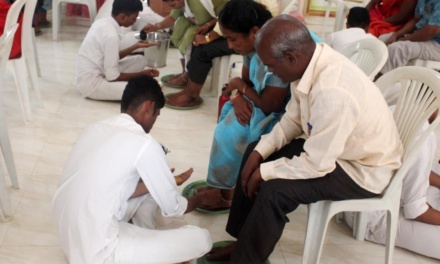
(41, 149)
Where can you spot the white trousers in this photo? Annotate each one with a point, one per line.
(105, 90)
(401, 52)
(140, 242)
(412, 235)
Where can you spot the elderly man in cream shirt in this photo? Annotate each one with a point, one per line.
(336, 141)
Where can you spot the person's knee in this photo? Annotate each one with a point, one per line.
(203, 238)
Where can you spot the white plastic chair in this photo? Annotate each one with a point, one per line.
(369, 54)
(56, 14)
(342, 7)
(219, 73)
(5, 206)
(419, 98)
(435, 65)
(26, 64)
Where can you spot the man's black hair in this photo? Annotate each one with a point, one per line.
(141, 89)
(127, 7)
(358, 17)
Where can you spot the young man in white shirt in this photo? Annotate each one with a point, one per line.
(102, 69)
(117, 173)
(336, 141)
(358, 20)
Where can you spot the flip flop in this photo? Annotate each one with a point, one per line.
(191, 189)
(203, 260)
(182, 107)
(165, 78)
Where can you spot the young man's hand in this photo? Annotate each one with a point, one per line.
(151, 72)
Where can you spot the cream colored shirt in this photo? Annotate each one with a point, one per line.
(344, 118)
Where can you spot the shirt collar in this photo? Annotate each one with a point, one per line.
(114, 23)
(304, 84)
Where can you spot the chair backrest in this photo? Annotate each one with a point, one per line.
(12, 18)
(5, 49)
(419, 98)
(287, 6)
(369, 54)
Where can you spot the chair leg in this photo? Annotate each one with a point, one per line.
(392, 222)
(33, 73)
(316, 228)
(37, 60)
(7, 153)
(56, 19)
(19, 70)
(360, 225)
(5, 204)
(327, 16)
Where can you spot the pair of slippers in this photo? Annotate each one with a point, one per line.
(164, 80)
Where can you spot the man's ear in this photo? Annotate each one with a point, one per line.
(148, 106)
(290, 56)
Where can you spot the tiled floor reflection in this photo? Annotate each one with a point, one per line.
(41, 149)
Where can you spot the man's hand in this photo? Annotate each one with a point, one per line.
(253, 183)
(252, 164)
(144, 44)
(150, 28)
(199, 40)
(202, 30)
(392, 39)
(151, 72)
(243, 110)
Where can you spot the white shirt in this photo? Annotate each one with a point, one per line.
(101, 174)
(98, 56)
(338, 40)
(344, 118)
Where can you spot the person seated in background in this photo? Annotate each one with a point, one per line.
(418, 228)
(418, 39)
(357, 24)
(317, 149)
(114, 183)
(256, 106)
(193, 23)
(102, 69)
(388, 16)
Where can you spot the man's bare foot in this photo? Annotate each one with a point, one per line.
(212, 199)
(221, 254)
(178, 80)
(183, 99)
(177, 75)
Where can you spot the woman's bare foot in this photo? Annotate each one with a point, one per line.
(221, 254)
(183, 99)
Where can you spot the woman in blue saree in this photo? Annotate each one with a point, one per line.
(257, 101)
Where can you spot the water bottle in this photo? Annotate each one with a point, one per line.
(222, 101)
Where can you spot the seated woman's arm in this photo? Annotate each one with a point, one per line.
(406, 10)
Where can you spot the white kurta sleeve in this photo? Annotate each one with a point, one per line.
(155, 172)
(111, 58)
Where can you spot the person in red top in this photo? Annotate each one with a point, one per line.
(16, 45)
(388, 16)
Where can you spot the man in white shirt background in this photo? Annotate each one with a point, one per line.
(102, 68)
(358, 21)
(117, 173)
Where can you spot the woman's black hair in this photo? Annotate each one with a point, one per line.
(242, 15)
